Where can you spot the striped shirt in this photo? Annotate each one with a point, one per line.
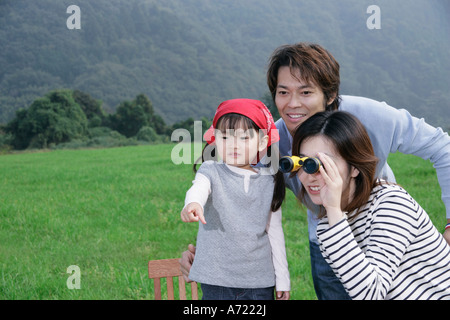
(391, 250)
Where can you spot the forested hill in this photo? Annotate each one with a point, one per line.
(189, 55)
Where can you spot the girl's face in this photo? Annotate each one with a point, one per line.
(314, 183)
(239, 147)
(297, 100)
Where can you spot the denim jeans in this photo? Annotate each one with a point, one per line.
(211, 292)
(326, 284)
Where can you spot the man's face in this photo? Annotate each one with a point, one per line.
(297, 100)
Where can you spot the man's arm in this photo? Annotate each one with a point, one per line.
(393, 130)
(186, 260)
(429, 143)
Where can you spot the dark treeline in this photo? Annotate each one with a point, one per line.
(73, 119)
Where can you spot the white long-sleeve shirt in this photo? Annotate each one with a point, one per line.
(199, 193)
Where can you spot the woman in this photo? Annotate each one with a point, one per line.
(379, 242)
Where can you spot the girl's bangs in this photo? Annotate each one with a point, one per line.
(234, 121)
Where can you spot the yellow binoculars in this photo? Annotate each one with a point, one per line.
(293, 163)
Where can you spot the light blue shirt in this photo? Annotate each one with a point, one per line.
(390, 130)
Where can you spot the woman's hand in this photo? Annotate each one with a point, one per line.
(331, 192)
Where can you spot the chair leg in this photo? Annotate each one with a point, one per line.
(170, 294)
(157, 288)
(182, 288)
(194, 290)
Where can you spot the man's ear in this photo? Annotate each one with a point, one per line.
(331, 99)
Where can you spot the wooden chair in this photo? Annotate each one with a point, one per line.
(169, 268)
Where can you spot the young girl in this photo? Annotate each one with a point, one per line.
(379, 242)
(240, 250)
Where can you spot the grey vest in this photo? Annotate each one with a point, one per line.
(233, 248)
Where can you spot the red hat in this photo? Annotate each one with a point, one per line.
(253, 109)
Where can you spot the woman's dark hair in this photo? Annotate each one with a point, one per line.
(353, 144)
(315, 65)
(231, 121)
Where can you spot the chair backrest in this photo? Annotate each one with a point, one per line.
(169, 269)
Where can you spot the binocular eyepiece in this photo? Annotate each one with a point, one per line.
(293, 163)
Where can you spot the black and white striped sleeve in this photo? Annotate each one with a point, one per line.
(367, 266)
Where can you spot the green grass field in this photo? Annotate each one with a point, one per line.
(109, 211)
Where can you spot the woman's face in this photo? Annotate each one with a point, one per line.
(313, 183)
(297, 100)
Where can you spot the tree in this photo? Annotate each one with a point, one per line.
(53, 119)
(129, 119)
(92, 108)
(131, 116)
(189, 125)
(155, 120)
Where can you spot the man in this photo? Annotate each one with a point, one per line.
(303, 80)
